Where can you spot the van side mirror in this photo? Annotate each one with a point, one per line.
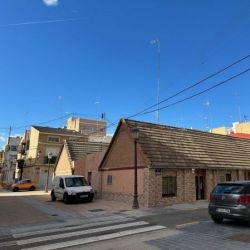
(61, 185)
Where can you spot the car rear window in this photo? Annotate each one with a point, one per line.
(228, 189)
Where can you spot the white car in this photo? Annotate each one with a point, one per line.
(69, 188)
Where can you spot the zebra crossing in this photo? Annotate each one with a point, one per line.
(76, 235)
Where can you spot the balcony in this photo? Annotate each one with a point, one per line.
(52, 160)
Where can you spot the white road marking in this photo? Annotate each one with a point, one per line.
(96, 238)
(78, 233)
(54, 230)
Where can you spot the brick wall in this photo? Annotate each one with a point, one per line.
(185, 187)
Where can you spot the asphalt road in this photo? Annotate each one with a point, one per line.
(28, 221)
(173, 219)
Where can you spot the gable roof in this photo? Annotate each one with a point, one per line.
(172, 147)
(76, 149)
(58, 131)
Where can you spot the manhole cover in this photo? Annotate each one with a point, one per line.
(96, 210)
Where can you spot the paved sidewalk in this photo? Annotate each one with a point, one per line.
(41, 201)
(101, 207)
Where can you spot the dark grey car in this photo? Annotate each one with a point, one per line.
(230, 200)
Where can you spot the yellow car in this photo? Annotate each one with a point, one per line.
(25, 184)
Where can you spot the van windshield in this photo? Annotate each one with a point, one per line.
(75, 182)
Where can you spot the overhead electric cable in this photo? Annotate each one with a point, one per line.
(192, 86)
(201, 92)
(178, 93)
(45, 122)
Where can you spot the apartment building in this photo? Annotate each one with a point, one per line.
(43, 141)
(9, 160)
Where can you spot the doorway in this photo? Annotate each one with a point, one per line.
(200, 176)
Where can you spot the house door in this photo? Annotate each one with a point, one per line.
(89, 177)
(200, 185)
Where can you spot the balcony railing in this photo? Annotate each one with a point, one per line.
(52, 160)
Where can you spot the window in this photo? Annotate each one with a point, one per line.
(231, 188)
(109, 179)
(13, 148)
(222, 178)
(53, 139)
(75, 182)
(169, 187)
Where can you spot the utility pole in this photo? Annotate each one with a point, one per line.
(157, 42)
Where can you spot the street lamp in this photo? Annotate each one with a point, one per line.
(135, 135)
(50, 155)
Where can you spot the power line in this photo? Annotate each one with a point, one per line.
(45, 122)
(192, 86)
(201, 92)
(178, 93)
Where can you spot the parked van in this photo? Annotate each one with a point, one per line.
(72, 187)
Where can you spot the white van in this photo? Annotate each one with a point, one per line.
(72, 187)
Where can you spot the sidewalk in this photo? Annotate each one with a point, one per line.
(27, 209)
(101, 207)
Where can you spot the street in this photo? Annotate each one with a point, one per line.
(29, 220)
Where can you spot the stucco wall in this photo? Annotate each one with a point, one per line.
(34, 138)
(63, 166)
(90, 163)
(122, 187)
(121, 154)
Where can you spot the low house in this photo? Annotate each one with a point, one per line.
(175, 165)
(81, 158)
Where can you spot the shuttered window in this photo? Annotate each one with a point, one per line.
(169, 187)
(109, 179)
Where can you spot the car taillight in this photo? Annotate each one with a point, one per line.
(244, 199)
(211, 197)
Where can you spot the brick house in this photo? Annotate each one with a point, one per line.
(82, 158)
(175, 165)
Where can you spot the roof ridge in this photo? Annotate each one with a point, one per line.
(155, 125)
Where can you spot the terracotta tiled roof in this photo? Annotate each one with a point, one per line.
(61, 131)
(173, 147)
(77, 149)
(241, 135)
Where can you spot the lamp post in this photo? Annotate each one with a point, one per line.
(135, 134)
(50, 155)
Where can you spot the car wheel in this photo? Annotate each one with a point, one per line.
(15, 189)
(217, 219)
(66, 198)
(32, 188)
(90, 199)
(52, 196)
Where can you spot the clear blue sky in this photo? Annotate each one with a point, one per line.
(96, 57)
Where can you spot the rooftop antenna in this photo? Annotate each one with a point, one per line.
(157, 43)
(237, 96)
(208, 104)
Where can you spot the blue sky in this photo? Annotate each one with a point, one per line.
(94, 56)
